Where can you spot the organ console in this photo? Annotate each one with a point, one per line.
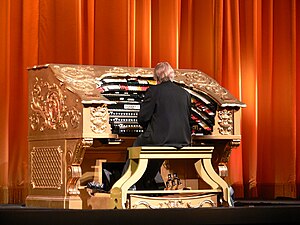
(82, 117)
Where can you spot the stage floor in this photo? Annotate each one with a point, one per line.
(244, 212)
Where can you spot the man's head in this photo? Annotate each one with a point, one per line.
(163, 72)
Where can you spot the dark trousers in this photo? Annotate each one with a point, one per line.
(151, 179)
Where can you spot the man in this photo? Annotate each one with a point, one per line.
(165, 116)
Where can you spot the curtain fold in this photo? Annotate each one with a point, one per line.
(86, 20)
(296, 60)
(196, 44)
(4, 98)
(61, 31)
(251, 47)
(164, 30)
(143, 33)
(283, 100)
(249, 59)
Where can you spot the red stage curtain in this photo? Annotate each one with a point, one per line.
(251, 47)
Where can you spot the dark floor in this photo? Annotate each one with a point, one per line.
(244, 212)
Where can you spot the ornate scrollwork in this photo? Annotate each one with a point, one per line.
(128, 72)
(50, 111)
(174, 204)
(165, 204)
(178, 203)
(99, 119)
(79, 151)
(118, 70)
(80, 78)
(203, 203)
(201, 81)
(228, 149)
(146, 204)
(74, 161)
(225, 122)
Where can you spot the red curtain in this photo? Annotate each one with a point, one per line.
(251, 47)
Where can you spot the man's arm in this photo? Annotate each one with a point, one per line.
(147, 109)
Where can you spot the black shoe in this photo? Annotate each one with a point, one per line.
(96, 187)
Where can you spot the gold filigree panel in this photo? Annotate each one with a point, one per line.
(172, 204)
(200, 81)
(46, 167)
(49, 108)
(80, 78)
(74, 158)
(225, 121)
(127, 71)
(99, 119)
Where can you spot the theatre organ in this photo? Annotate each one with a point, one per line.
(81, 116)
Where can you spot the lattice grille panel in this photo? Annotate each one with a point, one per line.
(46, 167)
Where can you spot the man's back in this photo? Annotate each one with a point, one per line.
(165, 114)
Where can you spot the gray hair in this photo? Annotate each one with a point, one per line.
(163, 72)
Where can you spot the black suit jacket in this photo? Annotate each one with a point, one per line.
(165, 115)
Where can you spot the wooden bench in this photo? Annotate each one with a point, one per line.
(139, 157)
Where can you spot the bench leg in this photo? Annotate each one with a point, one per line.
(133, 174)
(217, 179)
(123, 179)
(116, 190)
(204, 174)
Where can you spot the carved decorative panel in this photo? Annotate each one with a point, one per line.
(81, 78)
(138, 202)
(99, 119)
(225, 122)
(201, 81)
(49, 109)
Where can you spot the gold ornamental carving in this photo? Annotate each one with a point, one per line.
(206, 202)
(164, 204)
(49, 109)
(79, 151)
(201, 81)
(79, 78)
(124, 72)
(173, 204)
(74, 160)
(46, 167)
(99, 119)
(225, 122)
(228, 149)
